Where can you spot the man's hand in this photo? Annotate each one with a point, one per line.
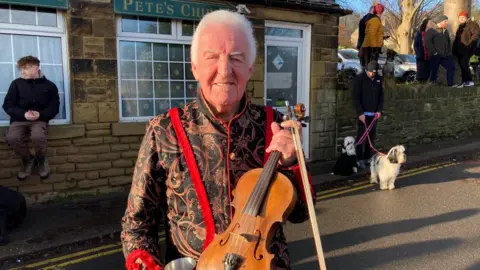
(142, 265)
(32, 115)
(378, 114)
(282, 141)
(362, 118)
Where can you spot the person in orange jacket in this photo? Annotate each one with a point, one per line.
(373, 43)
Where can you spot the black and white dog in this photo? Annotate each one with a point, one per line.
(347, 163)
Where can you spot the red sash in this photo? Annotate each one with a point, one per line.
(195, 173)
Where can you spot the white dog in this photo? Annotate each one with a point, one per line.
(347, 163)
(386, 167)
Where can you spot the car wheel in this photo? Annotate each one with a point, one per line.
(348, 77)
(410, 77)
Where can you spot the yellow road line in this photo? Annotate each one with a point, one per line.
(53, 260)
(73, 255)
(370, 185)
(363, 182)
(82, 259)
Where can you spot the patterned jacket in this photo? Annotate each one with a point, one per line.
(162, 182)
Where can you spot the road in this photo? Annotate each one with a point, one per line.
(430, 221)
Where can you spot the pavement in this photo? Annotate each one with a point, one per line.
(71, 226)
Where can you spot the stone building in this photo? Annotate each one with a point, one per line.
(117, 63)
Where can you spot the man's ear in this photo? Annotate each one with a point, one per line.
(194, 71)
(251, 69)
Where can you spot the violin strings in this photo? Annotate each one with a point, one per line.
(256, 195)
(250, 203)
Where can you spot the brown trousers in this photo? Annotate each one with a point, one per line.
(17, 134)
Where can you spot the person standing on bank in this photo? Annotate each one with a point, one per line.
(421, 52)
(31, 102)
(465, 45)
(439, 49)
(373, 43)
(361, 34)
(368, 100)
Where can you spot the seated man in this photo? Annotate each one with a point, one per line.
(31, 102)
(12, 211)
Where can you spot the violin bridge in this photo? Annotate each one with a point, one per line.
(247, 237)
(250, 237)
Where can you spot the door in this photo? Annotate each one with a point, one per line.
(287, 65)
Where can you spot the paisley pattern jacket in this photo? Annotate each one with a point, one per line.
(161, 180)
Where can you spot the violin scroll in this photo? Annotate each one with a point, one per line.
(299, 111)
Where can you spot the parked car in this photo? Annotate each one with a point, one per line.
(405, 67)
(348, 66)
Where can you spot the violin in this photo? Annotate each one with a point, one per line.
(263, 198)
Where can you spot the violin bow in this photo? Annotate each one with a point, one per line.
(300, 115)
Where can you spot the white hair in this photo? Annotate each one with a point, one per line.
(225, 17)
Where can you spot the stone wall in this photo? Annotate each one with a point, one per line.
(93, 64)
(415, 114)
(84, 158)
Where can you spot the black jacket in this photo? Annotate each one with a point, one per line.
(32, 94)
(361, 29)
(438, 42)
(368, 94)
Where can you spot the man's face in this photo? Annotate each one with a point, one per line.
(443, 24)
(370, 74)
(462, 19)
(222, 66)
(29, 71)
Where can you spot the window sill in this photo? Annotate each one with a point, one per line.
(56, 132)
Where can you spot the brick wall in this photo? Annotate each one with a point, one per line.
(84, 158)
(415, 114)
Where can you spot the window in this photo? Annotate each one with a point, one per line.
(154, 66)
(39, 32)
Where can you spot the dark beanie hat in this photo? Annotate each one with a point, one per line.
(372, 66)
(440, 19)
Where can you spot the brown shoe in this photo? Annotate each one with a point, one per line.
(28, 164)
(43, 168)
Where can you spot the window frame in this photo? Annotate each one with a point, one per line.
(175, 38)
(46, 31)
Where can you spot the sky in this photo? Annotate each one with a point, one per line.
(359, 5)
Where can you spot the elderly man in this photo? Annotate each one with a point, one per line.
(464, 46)
(192, 157)
(439, 49)
(31, 102)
